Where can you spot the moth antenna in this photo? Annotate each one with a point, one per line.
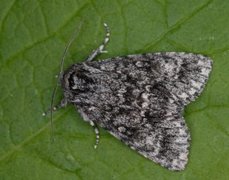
(60, 76)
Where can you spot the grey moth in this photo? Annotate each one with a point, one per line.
(139, 99)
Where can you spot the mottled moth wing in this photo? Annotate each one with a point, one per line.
(140, 99)
(188, 74)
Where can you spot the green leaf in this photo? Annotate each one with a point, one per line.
(32, 39)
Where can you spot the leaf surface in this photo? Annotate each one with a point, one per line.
(32, 39)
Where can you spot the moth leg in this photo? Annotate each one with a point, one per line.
(101, 48)
(96, 133)
(62, 104)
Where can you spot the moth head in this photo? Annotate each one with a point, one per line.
(76, 82)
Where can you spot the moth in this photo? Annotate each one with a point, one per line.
(139, 99)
